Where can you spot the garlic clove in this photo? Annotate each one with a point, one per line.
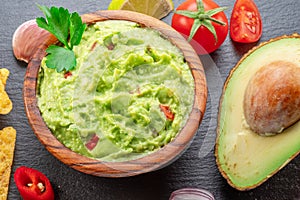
(26, 40)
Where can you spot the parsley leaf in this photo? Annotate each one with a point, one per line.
(68, 29)
(76, 29)
(60, 58)
(58, 22)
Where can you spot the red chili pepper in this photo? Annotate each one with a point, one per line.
(167, 111)
(33, 184)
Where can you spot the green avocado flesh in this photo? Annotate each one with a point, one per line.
(112, 105)
(245, 158)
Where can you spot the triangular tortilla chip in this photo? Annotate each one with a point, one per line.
(5, 102)
(7, 147)
(4, 73)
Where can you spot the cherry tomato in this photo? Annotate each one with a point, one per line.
(204, 41)
(245, 22)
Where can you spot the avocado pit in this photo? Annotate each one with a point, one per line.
(271, 100)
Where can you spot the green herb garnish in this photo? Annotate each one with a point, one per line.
(68, 29)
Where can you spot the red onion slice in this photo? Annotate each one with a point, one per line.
(191, 194)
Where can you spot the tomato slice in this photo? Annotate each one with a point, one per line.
(245, 22)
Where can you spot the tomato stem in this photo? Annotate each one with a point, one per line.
(207, 17)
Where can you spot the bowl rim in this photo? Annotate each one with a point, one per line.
(153, 161)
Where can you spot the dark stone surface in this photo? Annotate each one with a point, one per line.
(195, 168)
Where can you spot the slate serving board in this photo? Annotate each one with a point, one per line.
(195, 168)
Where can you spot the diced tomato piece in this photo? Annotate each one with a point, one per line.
(167, 111)
(67, 74)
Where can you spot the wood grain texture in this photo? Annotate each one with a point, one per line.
(154, 161)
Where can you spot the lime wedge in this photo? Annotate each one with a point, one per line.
(154, 8)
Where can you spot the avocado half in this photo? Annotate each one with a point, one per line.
(245, 158)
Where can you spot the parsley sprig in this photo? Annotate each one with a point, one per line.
(68, 29)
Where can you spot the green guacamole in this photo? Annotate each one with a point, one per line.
(129, 95)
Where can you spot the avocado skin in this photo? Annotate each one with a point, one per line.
(244, 158)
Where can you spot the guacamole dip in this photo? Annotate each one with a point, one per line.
(129, 95)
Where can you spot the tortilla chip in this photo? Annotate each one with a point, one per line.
(7, 147)
(5, 102)
(4, 73)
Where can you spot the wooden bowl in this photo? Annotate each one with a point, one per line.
(153, 161)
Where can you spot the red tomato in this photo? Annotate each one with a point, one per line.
(203, 41)
(245, 22)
